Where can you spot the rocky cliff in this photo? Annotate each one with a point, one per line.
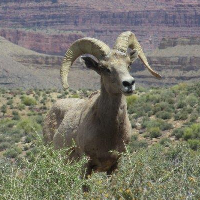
(48, 41)
(151, 20)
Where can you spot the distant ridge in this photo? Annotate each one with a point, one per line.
(23, 68)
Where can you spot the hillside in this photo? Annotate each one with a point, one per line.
(23, 68)
(150, 20)
(177, 60)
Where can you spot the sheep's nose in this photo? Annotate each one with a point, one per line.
(128, 83)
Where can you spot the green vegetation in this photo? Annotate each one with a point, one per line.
(166, 120)
(154, 173)
(28, 101)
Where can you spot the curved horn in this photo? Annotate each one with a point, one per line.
(82, 46)
(128, 40)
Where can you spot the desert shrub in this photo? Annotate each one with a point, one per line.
(136, 145)
(4, 109)
(162, 106)
(194, 117)
(192, 100)
(28, 101)
(154, 132)
(153, 98)
(194, 144)
(14, 112)
(180, 87)
(39, 119)
(60, 96)
(153, 173)
(25, 148)
(2, 138)
(16, 138)
(29, 126)
(14, 131)
(16, 117)
(188, 134)
(182, 115)
(181, 104)
(164, 115)
(10, 102)
(21, 106)
(4, 145)
(149, 123)
(188, 110)
(29, 138)
(165, 142)
(192, 132)
(131, 100)
(12, 152)
(178, 133)
(10, 124)
(74, 96)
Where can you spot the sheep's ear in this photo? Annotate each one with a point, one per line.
(91, 63)
(133, 55)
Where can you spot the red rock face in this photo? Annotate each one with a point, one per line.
(41, 42)
(151, 20)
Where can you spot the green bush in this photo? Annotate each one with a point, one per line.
(16, 117)
(153, 173)
(194, 144)
(188, 134)
(181, 104)
(28, 101)
(164, 115)
(12, 152)
(131, 100)
(149, 123)
(21, 107)
(192, 132)
(136, 145)
(192, 100)
(39, 119)
(10, 102)
(29, 126)
(29, 138)
(181, 115)
(178, 133)
(4, 109)
(162, 106)
(153, 98)
(4, 145)
(154, 132)
(194, 117)
(165, 142)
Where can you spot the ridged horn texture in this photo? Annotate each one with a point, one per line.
(82, 46)
(128, 40)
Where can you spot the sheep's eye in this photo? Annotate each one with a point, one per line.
(108, 71)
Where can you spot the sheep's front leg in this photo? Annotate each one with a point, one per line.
(112, 169)
(86, 173)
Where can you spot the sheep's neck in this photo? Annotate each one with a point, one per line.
(111, 107)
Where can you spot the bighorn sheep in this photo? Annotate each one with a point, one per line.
(99, 125)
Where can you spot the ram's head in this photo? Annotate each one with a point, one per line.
(112, 64)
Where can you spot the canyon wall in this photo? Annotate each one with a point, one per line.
(151, 20)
